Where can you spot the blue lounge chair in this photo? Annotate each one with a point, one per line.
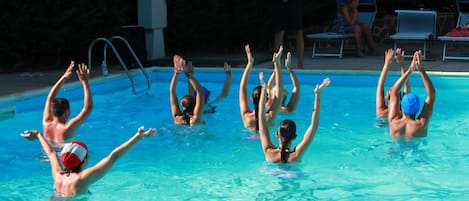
(415, 25)
(463, 19)
(367, 10)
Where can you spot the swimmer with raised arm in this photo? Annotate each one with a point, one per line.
(249, 117)
(57, 110)
(295, 95)
(381, 99)
(286, 131)
(409, 124)
(193, 107)
(210, 106)
(74, 178)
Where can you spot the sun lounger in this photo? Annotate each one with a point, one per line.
(415, 25)
(457, 38)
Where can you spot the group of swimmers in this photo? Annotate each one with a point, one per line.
(72, 177)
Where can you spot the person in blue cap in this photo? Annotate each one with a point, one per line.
(403, 116)
(210, 105)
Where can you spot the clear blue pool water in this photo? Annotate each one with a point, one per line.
(350, 158)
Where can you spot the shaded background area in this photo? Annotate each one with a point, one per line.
(38, 35)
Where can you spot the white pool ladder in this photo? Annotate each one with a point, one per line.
(108, 42)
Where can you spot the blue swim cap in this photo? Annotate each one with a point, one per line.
(410, 104)
(206, 94)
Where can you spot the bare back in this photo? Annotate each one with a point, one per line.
(71, 184)
(407, 127)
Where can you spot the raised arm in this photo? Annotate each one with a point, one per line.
(199, 99)
(191, 70)
(226, 86)
(394, 106)
(243, 96)
(381, 108)
(431, 93)
(51, 155)
(313, 127)
(274, 110)
(177, 61)
(400, 60)
(93, 174)
(83, 74)
(263, 127)
(295, 95)
(271, 94)
(47, 114)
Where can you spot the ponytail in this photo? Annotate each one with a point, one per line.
(287, 130)
(256, 96)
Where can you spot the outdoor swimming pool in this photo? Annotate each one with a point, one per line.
(350, 158)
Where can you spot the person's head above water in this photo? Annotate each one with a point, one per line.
(188, 102)
(286, 133)
(60, 106)
(410, 104)
(73, 156)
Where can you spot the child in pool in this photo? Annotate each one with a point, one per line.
(57, 110)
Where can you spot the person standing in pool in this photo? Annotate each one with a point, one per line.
(210, 106)
(249, 117)
(74, 178)
(381, 99)
(409, 124)
(286, 132)
(57, 110)
(193, 106)
(295, 94)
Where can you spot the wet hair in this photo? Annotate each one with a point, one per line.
(256, 96)
(59, 106)
(287, 130)
(188, 102)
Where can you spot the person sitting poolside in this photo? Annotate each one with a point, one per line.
(381, 99)
(348, 21)
(57, 110)
(210, 106)
(249, 117)
(74, 178)
(286, 132)
(409, 124)
(295, 94)
(193, 106)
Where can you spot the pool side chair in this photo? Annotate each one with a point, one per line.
(367, 13)
(463, 19)
(415, 25)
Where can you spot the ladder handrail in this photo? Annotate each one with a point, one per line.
(132, 81)
(133, 55)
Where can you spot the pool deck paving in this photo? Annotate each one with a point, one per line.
(16, 84)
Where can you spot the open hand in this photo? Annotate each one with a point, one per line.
(288, 62)
(30, 134)
(83, 72)
(178, 63)
(227, 67)
(278, 55)
(247, 49)
(400, 56)
(324, 84)
(148, 133)
(69, 69)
